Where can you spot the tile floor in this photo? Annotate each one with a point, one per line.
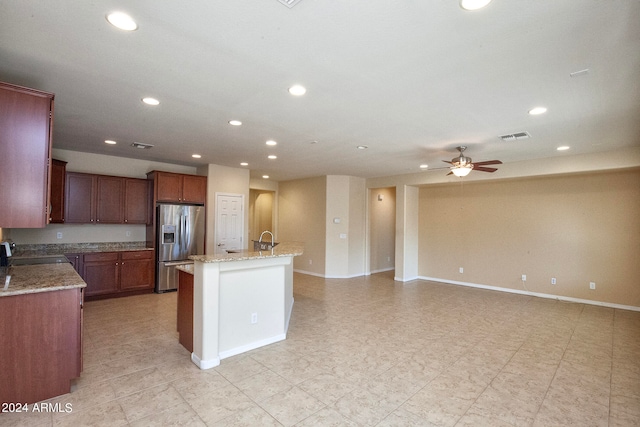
(366, 351)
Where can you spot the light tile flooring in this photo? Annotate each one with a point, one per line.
(366, 351)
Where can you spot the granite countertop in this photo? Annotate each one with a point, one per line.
(26, 279)
(282, 250)
(187, 268)
(74, 248)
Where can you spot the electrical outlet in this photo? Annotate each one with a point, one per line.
(128, 233)
(461, 270)
(524, 277)
(254, 318)
(59, 235)
(310, 262)
(553, 280)
(592, 285)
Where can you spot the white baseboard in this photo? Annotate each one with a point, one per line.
(382, 270)
(308, 273)
(534, 294)
(400, 279)
(205, 364)
(252, 346)
(327, 277)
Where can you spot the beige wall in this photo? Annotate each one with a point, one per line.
(302, 212)
(382, 229)
(223, 179)
(90, 233)
(261, 216)
(578, 228)
(357, 226)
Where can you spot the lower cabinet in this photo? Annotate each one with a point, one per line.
(113, 274)
(44, 330)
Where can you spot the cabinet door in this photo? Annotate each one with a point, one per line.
(169, 187)
(110, 199)
(79, 198)
(101, 273)
(25, 147)
(194, 189)
(136, 201)
(58, 168)
(136, 270)
(76, 262)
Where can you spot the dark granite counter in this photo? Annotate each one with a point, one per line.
(74, 248)
(25, 279)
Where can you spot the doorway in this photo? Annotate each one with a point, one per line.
(229, 225)
(261, 212)
(382, 229)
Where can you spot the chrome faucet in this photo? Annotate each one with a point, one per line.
(266, 231)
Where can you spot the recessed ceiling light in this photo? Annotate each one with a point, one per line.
(362, 147)
(244, 164)
(150, 101)
(110, 142)
(297, 90)
(424, 166)
(265, 176)
(196, 156)
(235, 122)
(271, 142)
(537, 110)
(473, 4)
(563, 148)
(272, 157)
(122, 21)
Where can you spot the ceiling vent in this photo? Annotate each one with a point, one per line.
(289, 3)
(515, 136)
(141, 145)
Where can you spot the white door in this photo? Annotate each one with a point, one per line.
(229, 222)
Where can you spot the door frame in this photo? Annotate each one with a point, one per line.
(242, 219)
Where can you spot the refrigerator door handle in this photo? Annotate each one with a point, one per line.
(173, 264)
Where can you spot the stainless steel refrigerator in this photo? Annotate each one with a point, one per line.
(180, 233)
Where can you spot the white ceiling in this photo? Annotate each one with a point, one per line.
(410, 79)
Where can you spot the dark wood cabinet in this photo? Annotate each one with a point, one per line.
(101, 273)
(106, 199)
(58, 178)
(79, 198)
(26, 117)
(112, 274)
(76, 261)
(185, 309)
(136, 270)
(178, 188)
(44, 330)
(109, 199)
(136, 201)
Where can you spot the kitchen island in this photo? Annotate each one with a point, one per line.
(241, 301)
(41, 332)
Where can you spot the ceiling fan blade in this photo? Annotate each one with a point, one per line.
(483, 169)
(450, 173)
(447, 161)
(488, 162)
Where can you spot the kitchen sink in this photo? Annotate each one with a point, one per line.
(46, 259)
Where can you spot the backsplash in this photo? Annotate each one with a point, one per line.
(66, 248)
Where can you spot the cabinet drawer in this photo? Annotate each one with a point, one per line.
(137, 255)
(101, 256)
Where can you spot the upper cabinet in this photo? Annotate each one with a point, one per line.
(106, 199)
(58, 177)
(26, 117)
(179, 188)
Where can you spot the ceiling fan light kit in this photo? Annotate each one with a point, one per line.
(461, 166)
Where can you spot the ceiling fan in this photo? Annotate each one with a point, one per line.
(461, 165)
